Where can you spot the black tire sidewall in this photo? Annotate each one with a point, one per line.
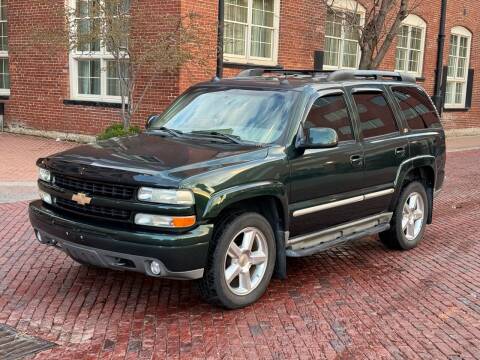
(419, 188)
(225, 295)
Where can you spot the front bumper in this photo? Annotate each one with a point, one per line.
(181, 256)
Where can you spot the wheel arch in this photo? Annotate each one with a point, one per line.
(267, 199)
(417, 169)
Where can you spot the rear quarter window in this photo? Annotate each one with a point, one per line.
(416, 107)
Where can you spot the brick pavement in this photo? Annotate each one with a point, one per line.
(356, 301)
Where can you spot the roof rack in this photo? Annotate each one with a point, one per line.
(344, 75)
(339, 75)
(285, 72)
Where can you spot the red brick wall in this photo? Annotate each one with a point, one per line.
(40, 80)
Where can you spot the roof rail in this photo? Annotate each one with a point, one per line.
(285, 72)
(344, 75)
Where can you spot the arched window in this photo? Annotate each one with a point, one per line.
(411, 45)
(341, 34)
(458, 63)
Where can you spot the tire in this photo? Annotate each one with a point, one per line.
(407, 232)
(239, 262)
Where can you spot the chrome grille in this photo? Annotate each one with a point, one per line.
(93, 210)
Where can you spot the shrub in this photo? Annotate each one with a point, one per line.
(117, 130)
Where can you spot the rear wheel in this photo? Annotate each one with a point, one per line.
(409, 218)
(241, 261)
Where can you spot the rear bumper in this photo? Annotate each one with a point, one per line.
(181, 256)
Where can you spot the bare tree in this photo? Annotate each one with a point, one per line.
(376, 28)
(107, 24)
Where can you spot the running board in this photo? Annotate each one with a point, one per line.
(326, 239)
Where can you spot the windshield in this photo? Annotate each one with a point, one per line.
(248, 115)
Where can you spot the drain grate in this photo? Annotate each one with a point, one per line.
(14, 345)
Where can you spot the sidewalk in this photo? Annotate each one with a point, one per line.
(18, 172)
(463, 143)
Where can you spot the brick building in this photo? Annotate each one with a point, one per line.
(45, 89)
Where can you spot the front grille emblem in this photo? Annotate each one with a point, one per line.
(82, 199)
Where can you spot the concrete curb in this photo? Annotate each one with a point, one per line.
(462, 132)
(79, 138)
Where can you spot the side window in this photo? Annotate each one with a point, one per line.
(331, 112)
(376, 116)
(417, 109)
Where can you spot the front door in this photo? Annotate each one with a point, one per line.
(326, 184)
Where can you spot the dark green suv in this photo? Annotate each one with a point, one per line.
(238, 174)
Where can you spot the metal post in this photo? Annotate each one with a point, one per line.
(437, 95)
(221, 31)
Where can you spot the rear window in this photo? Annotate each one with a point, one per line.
(416, 107)
(376, 116)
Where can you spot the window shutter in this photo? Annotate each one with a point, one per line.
(468, 101)
(318, 60)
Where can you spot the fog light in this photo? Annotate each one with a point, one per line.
(155, 268)
(39, 236)
(45, 197)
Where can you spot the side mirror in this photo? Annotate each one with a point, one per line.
(150, 120)
(318, 138)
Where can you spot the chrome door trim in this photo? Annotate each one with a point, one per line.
(344, 202)
(379, 194)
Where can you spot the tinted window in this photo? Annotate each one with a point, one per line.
(417, 109)
(376, 116)
(331, 112)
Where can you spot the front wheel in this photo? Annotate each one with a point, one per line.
(409, 219)
(241, 261)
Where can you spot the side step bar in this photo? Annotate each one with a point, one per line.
(326, 239)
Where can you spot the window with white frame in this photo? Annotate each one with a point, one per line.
(342, 50)
(411, 46)
(94, 73)
(4, 72)
(251, 31)
(458, 63)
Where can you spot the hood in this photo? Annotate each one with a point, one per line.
(151, 158)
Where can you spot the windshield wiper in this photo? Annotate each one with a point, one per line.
(172, 132)
(216, 134)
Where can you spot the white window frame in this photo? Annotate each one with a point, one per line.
(247, 59)
(414, 21)
(351, 6)
(103, 55)
(460, 32)
(4, 55)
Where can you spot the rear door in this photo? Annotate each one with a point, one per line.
(385, 146)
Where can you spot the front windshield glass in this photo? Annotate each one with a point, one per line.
(257, 116)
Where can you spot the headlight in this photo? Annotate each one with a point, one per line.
(176, 222)
(163, 196)
(45, 197)
(44, 174)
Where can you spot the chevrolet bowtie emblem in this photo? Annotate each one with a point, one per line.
(82, 199)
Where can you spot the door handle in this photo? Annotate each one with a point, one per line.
(400, 151)
(356, 160)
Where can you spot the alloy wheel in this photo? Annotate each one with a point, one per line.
(413, 216)
(246, 261)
